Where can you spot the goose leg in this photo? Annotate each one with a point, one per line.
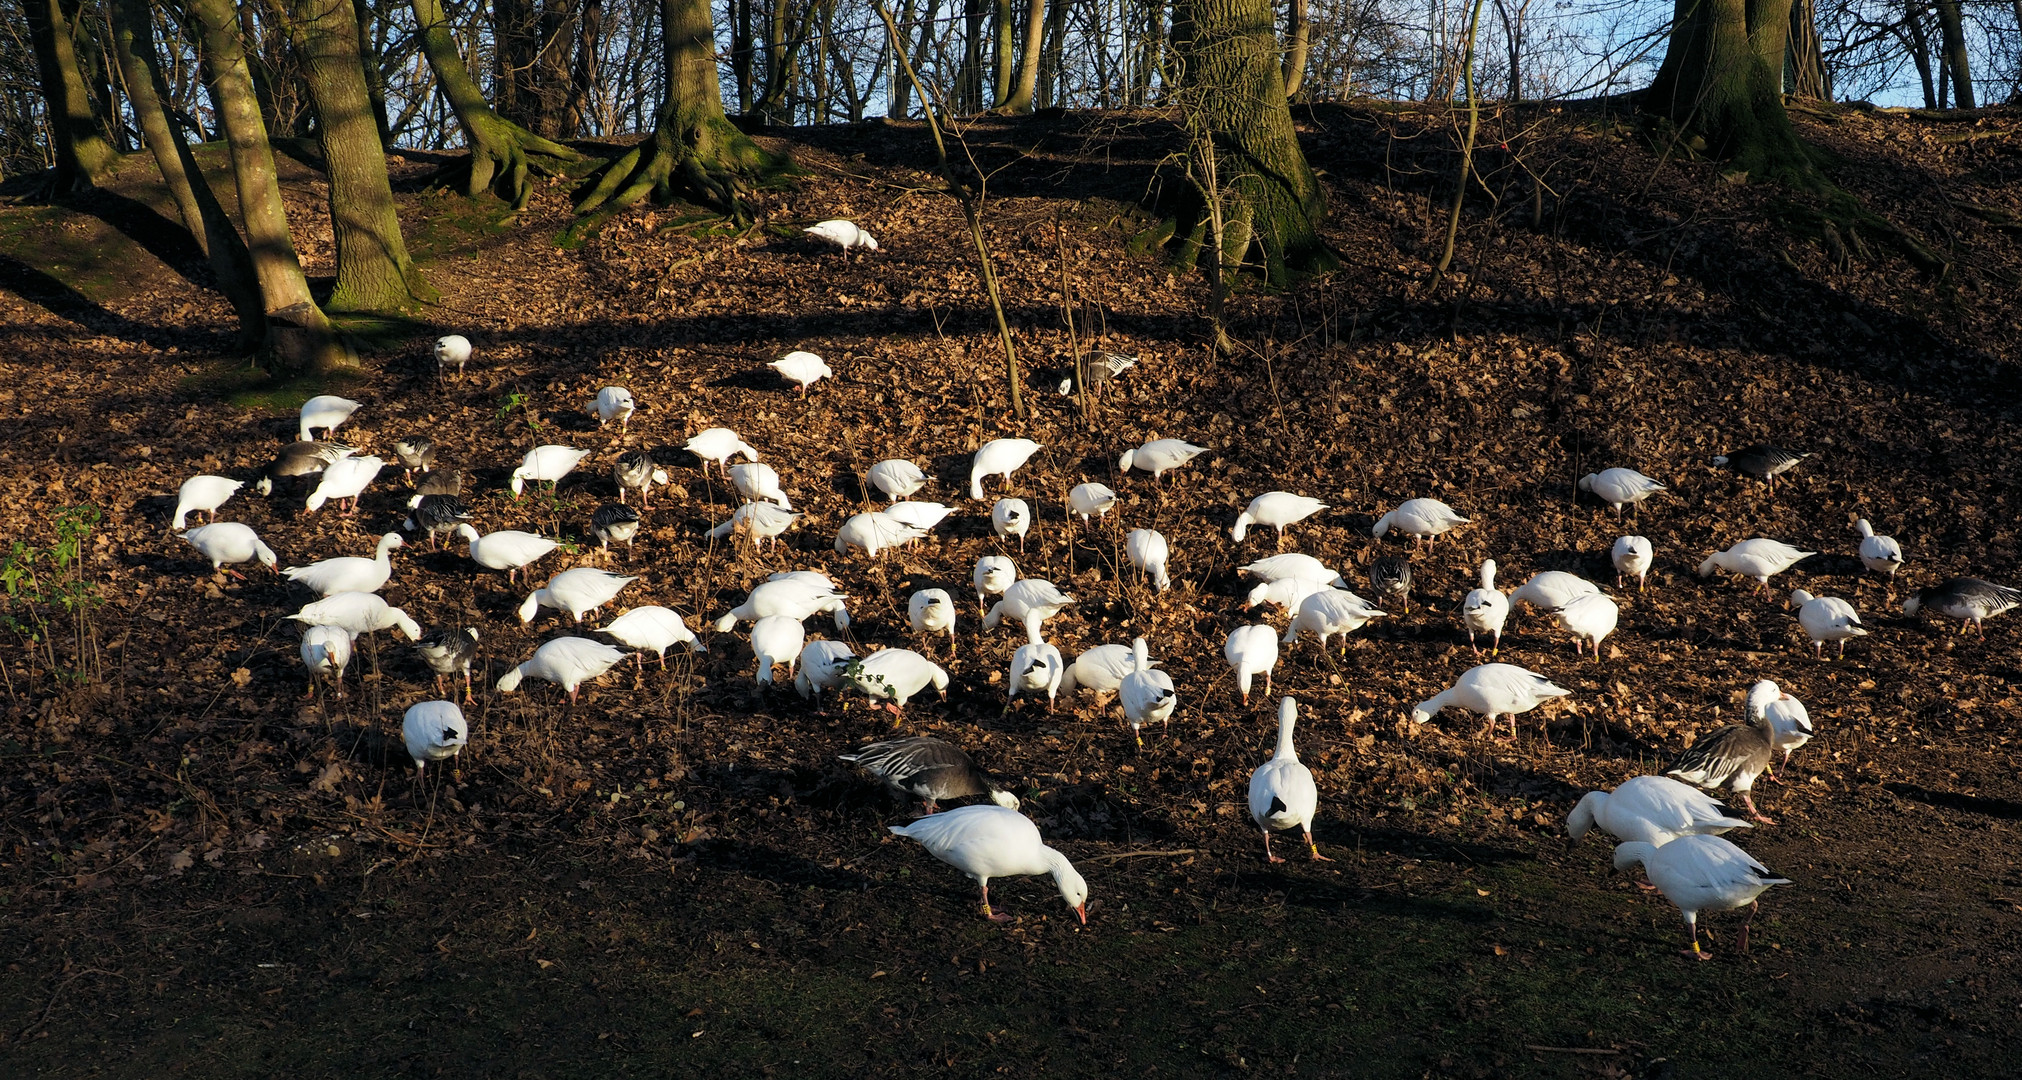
(987, 913)
(1315, 849)
(1268, 857)
(1752, 906)
(1692, 927)
(1749, 801)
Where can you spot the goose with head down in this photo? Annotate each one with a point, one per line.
(792, 596)
(451, 350)
(762, 521)
(546, 463)
(897, 478)
(1550, 590)
(568, 662)
(508, 549)
(1276, 509)
(1880, 554)
(612, 403)
(801, 368)
(1620, 487)
(345, 480)
(1652, 809)
(230, 543)
(325, 411)
(998, 457)
(1329, 612)
(776, 640)
(579, 592)
(433, 731)
(1492, 690)
(930, 770)
(326, 652)
(654, 629)
(756, 481)
(1701, 873)
(435, 516)
(993, 841)
(873, 532)
(1733, 756)
(1421, 519)
(416, 454)
(844, 234)
(1967, 599)
(719, 444)
(891, 677)
(635, 470)
(1031, 601)
(822, 664)
(1100, 670)
(300, 459)
(614, 521)
(1090, 501)
(1763, 461)
(449, 651)
(202, 493)
(1160, 456)
(1148, 551)
(1758, 559)
(1826, 619)
(1250, 651)
(1590, 618)
(358, 614)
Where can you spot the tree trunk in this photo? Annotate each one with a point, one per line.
(84, 156)
(374, 272)
(502, 153)
(695, 150)
(1023, 93)
(1003, 31)
(1806, 70)
(299, 337)
(1919, 45)
(1150, 45)
(783, 38)
(1053, 55)
(362, 15)
(1722, 81)
(1298, 35)
(1512, 19)
(587, 70)
(1953, 33)
(1235, 87)
(741, 48)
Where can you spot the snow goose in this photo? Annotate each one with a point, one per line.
(344, 480)
(1826, 619)
(927, 769)
(1011, 517)
(226, 542)
(1159, 456)
(358, 614)
(653, 628)
(416, 454)
(892, 676)
(1145, 694)
(844, 234)
(803, 369)
(1653, 810)
(897, 478)
(1632, 555)
(434, 516)
(776, 639)
(1880, 554)
(920, 515)
(1036, 668)
(614, 521)
(762, 521)
(434, 731)
(1287, 593)
(719, 444)
(1090, 501)
(1733, 756)
(579, 591)
(1969, 600)
(1620, 487)
(822, 664)
(1100, 670)
(756, 481)
(449, 651)
(1329, 612)
(1493, 690)
(998, 457)
(1282, 792)
(348, 574)
(634, 470)
(1276, 509)
(932, 611)
(1148, 551)
(569, 662)
(325, 411)
(300, 459)
(549, 463)
(1701, 873)
(1097, 371)
(1485, 610)
(508, 550)
(1758, 559)
(1420, 519)
(874, 532)
(1590, 618)
(451, 350)
(1293, 565)
(1550, 590)
(612, 403)
(1760, 460)
(994, 841)
(1390, 580)
(793, 597)
(326, 652)
(1031, 601)
(1251, 650)
(205, 493)
(994, 574)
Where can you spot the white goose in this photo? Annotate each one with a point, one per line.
(653, 628)
(508, 549)
(843, 234)
(326, 652)
(793, 597)
(1011, 517)
(579, 591)
(1287, 593)
(325, 411)
(1148, 551)
(349, 574)
(874, 532)
(994, 574)
(718, 444)
(932, 611)
(1826, 619)
(1701, 873)
(761, 520)
(1090, 501)
(613, 403)
(897, 478)
(569, 662)
(1251, 650)
(1620, 487)
(1159, 456)
(358, 614)
(920, 515)
(1282, 792)
(1485, 610)
(1591, 618)
(1100, 670)
(756, 481)
(451, 350)
(228, 542)
(1632, 555)
(1031, 601)
(1329, 612)
(893, 676)
(1420, 519)
(1292, 564)
(549, 463)
(986, 841)
(205, 493)
(1789, 721)
(434, 731)
(803, 369)
(1759, 559)
(821, 668)
(1276, 509)
(344, 480)
(1880, 554)
(1145, 694)
(1550, 590)
(1654, 810)
(1036, 668)
(1493, 690)
(776, 639)
(998, 457)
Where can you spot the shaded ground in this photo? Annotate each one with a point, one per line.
(203, 873)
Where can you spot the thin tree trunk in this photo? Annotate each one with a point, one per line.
(1053, 54)
(1919, 44)
(741, 48)
(1807, 78)
(1956, 60)
(1003, 31)
(1027, 87)
(783, 38)
(585, 72)
(502, 153)
(84, 156)
(363, 14)
(1298, 34)
(1512, 38)
(1721, 80)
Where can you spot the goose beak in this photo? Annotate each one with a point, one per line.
(1081, 909)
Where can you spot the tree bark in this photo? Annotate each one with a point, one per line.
(362, 15)
(84, 156)
(969, 78)
(374, 272)
(1919, 45)
(1806, 72)
(1722, 81)
(299, 336)
(1298, 37)
(1053, 54)
(741, 48)
(783, 38)
(1027, 86)
(502, 153)
(1003, 31)
(1234, 85)
(1953, 34)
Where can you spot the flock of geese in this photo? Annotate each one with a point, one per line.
(1666, 823)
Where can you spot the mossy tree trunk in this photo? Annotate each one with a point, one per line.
(1026, 88)
(503, 155)
(374, 272)
(84, 156)
(695, 151)
(1232, 85)
(1298, 40)
(1722, 82)
(299, 336)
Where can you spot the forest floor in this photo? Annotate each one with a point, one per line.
(203, 873)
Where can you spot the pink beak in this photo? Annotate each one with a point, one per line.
(1081, 909)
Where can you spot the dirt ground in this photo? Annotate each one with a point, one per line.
(205, 874)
